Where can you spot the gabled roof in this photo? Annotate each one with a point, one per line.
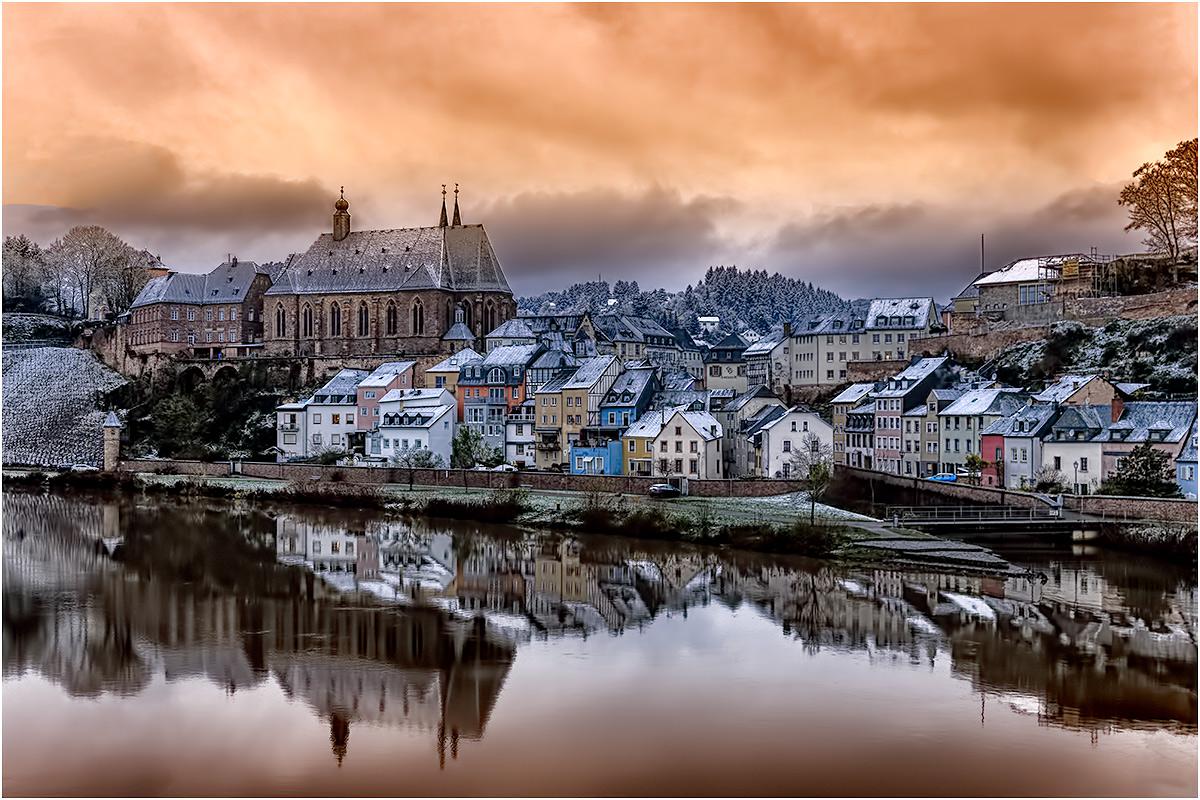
(737, 403)
(555, 384)
(629, 386)
(978, 402)
(1064, 387)
(459, 332)
(972, 291)
(555, 359)
(456, 361)
(340, 390)
(731, 342)
(227, 283)
(681, 381)
(763, 418)
(589, 372)
(514, 328)
(509, 355)
(854, 392)
(909, 379)
(704, 423)
(1089, 418)
(458, 259)
(1172, 420)
(764, 346)
(1030, 422)
(668, 398)
(650, 424)
(385, 373)
(1188, 453)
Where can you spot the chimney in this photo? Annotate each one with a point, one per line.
(787, 330)
(1118, 407)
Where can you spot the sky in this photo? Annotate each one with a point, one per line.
(864, 148)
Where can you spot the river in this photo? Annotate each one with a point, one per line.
(229, 649)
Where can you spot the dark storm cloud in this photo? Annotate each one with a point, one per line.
(551, 240)
(879, 251)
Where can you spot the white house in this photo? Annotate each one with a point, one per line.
(674, 442)
(783, 437)
(328, 418)
(417, 419)
(519, 435)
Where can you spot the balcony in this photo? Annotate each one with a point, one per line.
(289, 426)
(547, 447)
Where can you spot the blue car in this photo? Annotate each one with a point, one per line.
(943, 476)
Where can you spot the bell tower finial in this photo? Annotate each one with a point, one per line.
(442, 223)
(457, 221)
(341, 217)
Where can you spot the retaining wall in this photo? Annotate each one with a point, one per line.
(473, 479)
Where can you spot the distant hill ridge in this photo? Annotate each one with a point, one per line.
(741, 298)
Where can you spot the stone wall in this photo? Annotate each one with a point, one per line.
(474, 479)
(1101, 310)
(977, 343)
(871, 371)
(1133, 508)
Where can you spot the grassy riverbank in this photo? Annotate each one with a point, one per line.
(774, 524)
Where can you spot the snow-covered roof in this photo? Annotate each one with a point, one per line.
(911, 313)
(111, 420)
(628, 387)
(386, 373)
(650, 424)
(555, 384)
(458, 332)
(763, 418)
(1188, 453)
(910, 378)
(413, 395)
(854, 392)
(764, 346)
(589, 372)
(512, 329)
(421, 417)
(704, 423)
(1170, 420)
(1029, 422)
(340, 390)
(1064, 387)
(509, 355)
(456, 361)
(225, 284)
(1022, 271)
(986, 401)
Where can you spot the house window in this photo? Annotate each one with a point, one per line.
(1058, 462)
(662, 446)
(649, 446)
(221, 314)
(316, 547)
(679, 465)
(787, 445)
(1083, 465)
(174, 336)
(679, 447)
(174, 313)
(191, 313)
(632, 444)
(208, 315)
(692, 466)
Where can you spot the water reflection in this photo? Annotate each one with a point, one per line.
(416, 624)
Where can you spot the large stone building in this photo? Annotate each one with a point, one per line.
(213, 315)
(386, 292)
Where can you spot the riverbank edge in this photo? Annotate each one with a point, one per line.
(844, 541)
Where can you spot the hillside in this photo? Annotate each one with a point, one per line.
(1160, 352)
(743, 299)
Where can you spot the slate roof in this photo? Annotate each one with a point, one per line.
(972, 290)
(459, 332)
(1140, 418)
(1090, 418)
(542, 323)
(978, 402)
(410, 395)
(1030, 422)
(764, 346)
(737, 403)
(456, 361)
(457, 259)
(385, 373)
(556, 384)
(111, 421)
(650, 424)
(340, 390)
(914, 373)
(678, 381)
(589, 372)
(632, 382)
(763, 418)
(1063, 388)
(686, 397)
(509, 355)
(919, 308)
(705, 424)
(512, 329)
(854, 392)
(227, 283)
(1188, 453)
(555, 359)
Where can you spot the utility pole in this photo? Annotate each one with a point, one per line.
(981, 266)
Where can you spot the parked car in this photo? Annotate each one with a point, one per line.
(943, 476)
(504, 468)
(663, 490)
(84, 468)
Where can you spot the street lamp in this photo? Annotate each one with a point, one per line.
(1076, 466)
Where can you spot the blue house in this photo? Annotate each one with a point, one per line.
(589, 458)
(1185, 466)
(627, 399)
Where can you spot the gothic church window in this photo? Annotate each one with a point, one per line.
(280, 322)
(364, 321)
(391, 318)
(335, 320)
(418, 318)
(306, 321)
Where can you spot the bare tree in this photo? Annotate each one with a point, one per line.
(126, 279)
(1162, 202)
(812, 464)
(415, 458)
(86, 260)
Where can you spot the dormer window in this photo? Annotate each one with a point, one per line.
(881, 321)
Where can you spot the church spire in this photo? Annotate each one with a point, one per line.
(341, 218)
(457, 219)
(443, 222)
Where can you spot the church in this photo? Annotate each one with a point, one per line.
(390, 292)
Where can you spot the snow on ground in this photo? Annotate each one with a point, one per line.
(972, 605)
(922, 624)
(796, 502)
(54, 407)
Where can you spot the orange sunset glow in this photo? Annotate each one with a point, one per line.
(863, 148)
